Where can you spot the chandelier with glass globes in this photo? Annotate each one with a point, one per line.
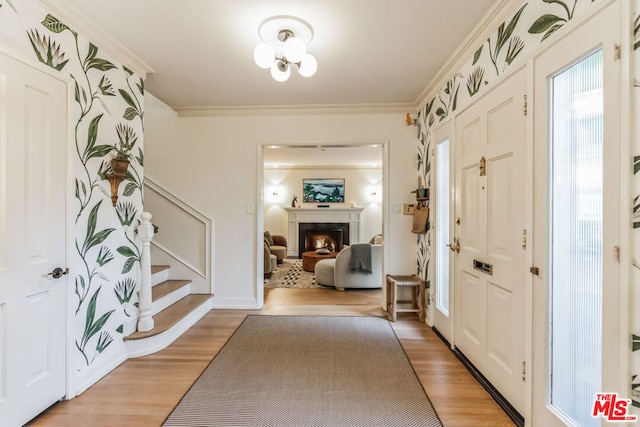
(285, 40)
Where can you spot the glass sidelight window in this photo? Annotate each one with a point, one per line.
(576, 218)
(442, 226)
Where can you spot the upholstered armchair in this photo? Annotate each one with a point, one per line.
(270, 261)
(277, 245)
(337, 272)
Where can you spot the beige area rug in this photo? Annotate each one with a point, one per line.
(290, 274)
(308, 371)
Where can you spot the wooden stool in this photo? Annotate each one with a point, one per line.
(417, 296)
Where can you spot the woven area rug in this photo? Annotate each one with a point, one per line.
(290, 274)
(308, 371)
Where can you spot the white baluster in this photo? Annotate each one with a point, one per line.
(145, 232)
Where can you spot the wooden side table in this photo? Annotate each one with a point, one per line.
(416, 304)
(309, 259)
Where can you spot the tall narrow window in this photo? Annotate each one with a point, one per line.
(442, 226)
(576, 238)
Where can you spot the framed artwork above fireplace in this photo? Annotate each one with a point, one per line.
(323, 190)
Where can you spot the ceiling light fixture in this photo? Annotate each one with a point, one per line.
(285, 45)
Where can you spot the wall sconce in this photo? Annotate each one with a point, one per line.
(374, 193)
(273, 194)
(410, 120)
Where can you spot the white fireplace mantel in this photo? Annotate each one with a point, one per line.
(351, 216)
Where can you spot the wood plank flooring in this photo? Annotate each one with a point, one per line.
(143, 391)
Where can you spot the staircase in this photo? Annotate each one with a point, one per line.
(174, 309)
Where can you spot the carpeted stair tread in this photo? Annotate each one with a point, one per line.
(172, 315)
(158, 268)
(165, 288)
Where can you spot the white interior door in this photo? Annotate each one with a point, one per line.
(442, 200)
(490, 140)
(33, 140)
(576, 223)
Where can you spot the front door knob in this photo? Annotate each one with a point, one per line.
(455, 246)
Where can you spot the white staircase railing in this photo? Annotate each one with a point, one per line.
(145, 232)
(191, 250)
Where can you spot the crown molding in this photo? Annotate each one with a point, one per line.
(322, 167)
(272, 110)
(80, 23)
(489, 23)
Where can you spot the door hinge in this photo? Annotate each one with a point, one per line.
(535, 271)
(524, 371)
(524, 106)
(524, 239)
(617, 53)
(616, 253)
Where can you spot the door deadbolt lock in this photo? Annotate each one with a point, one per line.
(455, 246)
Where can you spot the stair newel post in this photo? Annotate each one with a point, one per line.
(145, 232)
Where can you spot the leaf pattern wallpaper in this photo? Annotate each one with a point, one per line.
(107, 110)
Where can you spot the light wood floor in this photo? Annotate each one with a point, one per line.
(143, 391)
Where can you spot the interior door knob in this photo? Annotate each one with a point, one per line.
(57, 273)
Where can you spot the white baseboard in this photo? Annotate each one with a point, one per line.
(235, 303)
(100, 369)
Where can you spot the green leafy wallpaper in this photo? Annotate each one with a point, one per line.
(107, 115)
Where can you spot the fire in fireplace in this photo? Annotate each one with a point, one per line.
(323, 239)
(313, 236)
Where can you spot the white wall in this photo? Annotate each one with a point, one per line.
(212, 163)
(359, 183)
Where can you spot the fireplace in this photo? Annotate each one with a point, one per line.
(346, 219)
(332, 236)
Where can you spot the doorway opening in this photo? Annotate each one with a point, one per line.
(282, 169)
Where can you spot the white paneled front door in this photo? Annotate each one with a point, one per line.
(489, 323)
(33, 141)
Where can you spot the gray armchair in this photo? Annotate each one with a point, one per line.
(337, 272)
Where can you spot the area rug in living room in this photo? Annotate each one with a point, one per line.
(308, 371)
(290, 274)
